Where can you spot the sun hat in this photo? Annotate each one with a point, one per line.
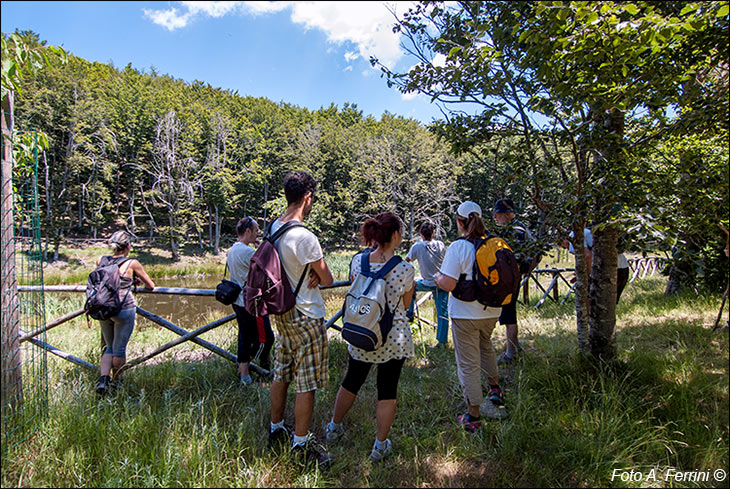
(467, 207)
(504, 205)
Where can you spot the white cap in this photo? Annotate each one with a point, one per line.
(467, 207)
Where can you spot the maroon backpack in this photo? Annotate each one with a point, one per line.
(267, 289)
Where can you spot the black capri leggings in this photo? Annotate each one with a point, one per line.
(387, 381)
(255, 337)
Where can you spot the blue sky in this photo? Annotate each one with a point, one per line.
(309, 54)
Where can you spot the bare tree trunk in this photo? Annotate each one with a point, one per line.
(131, 212)
(174, 246)
(149, 213)
(12, 379)
(217, 244)
(210, 227)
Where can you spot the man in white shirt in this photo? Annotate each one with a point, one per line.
(300, 354)
(255, 336)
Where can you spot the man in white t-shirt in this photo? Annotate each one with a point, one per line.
(255, 336)
(300, 354)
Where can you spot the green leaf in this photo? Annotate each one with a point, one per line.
(723, 11)
(631, 8)
(689, 8)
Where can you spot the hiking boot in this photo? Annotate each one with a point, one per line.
(312, 453)
(496, 396)
(379, 454)
(470, 426)
(244, 380)
(102, 386)
(334, 434)
(281, 437)
(492, 411)
(505, 359)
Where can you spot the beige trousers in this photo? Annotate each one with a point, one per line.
(474, 354)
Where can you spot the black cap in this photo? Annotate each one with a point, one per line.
(504, 205)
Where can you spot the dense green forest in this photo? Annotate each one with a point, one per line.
(184, 160)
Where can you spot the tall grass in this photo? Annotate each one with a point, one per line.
(183, 421)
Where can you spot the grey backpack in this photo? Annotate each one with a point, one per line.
(367, 319)
(102, 289)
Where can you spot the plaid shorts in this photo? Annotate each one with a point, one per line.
(300, 353)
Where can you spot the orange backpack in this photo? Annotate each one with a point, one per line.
(496, 274)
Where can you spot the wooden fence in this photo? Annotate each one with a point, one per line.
(184, 335)
(641, 268)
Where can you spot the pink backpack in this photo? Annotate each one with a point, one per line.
(267, 289)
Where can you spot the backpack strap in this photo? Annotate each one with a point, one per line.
(365, 262)
(127, 259)
(279, 232)
(389, 265)
(301, 279)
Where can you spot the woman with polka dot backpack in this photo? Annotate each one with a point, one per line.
(386, 230)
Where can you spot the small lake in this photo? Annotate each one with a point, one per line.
(190, 312)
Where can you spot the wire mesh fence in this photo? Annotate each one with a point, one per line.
(24, 366)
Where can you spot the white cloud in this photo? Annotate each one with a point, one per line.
(367, 25)
(409, 95)
(349, 68)
(168, 18)
(212, 9)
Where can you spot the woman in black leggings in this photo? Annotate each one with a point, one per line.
(386, 231)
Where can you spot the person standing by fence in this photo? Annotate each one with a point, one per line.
(255, 336)
(300, 354)
(387, 231)
(519, 238)
(117, 329)
(472, 323)
(430, 253)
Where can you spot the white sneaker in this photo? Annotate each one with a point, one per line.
(333, 434)
(379, 454)
(492, 411)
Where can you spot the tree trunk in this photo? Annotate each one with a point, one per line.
(608, 158)
(12, 379)
(581, 287)
(217, 244)
(131, 212)
(603, 293)
(173, 239)
(210, 227)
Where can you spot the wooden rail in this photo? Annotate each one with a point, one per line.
(642, 266)
(185, 335)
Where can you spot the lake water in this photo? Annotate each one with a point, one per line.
(191, 312)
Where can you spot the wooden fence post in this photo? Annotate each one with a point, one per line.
(12, 379)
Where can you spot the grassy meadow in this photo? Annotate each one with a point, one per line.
(182, 420)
